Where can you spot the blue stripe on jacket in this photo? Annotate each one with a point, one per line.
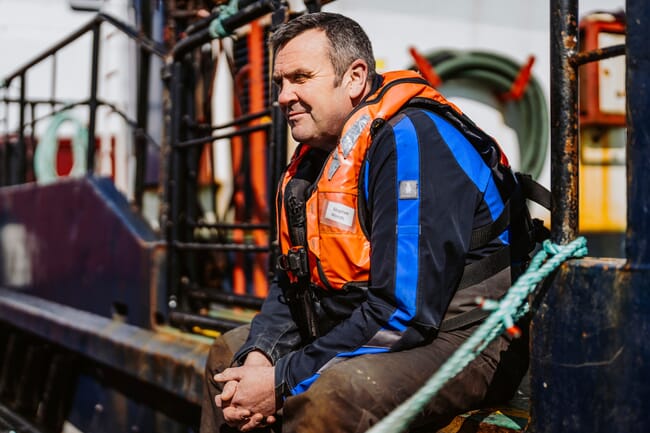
(408, 225)
(473, 165)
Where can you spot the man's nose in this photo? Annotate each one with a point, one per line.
(286, 96)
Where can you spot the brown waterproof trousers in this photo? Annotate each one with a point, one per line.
(354, 394)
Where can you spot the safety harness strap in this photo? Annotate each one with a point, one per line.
(484, 234)
(464, 319)
(534, 191)
(483, 269)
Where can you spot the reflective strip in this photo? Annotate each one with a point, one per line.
(305, 384)
(349, 140)
(385, 338)
(408, 219)
(473, 165)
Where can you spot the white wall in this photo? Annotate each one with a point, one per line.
(27, 28)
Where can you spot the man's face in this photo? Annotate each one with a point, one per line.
(315, 108)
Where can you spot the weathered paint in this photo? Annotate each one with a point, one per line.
(82, 247)
(564, 122)
(167, 359)
(590, 359)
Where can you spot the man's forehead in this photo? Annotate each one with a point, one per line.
(300, 58)
(311, 41)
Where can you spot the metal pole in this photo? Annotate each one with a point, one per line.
(173, 189)
(638, 132)
(92, 103)
(564, 120)
(6, 152)
(277, 151)
(19, 173)
(141, 142)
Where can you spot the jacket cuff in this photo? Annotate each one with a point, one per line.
(282, 385)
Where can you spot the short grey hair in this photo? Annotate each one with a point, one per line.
(348, 41)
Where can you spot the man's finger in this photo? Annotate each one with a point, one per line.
(228, 374)
(228, 390)
(254, 422)
(236, 416)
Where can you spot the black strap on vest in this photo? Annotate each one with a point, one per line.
(464, 319)
(483, 235)
(296, 262)
(492, 264)
(483, 269)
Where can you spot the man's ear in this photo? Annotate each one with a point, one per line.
(358, 77)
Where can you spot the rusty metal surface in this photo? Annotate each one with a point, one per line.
(590, 359)
(564, 120)
(638, 132)
(167, 359)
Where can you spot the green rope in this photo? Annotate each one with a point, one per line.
(217, 30)
(506, 311)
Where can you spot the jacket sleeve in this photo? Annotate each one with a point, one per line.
(423, 182)
(273, 331)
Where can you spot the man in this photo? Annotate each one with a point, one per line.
(390, 225)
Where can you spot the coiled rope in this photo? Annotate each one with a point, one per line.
(505, 312)
(529, 117)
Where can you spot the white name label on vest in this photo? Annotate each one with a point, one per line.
(340, 213)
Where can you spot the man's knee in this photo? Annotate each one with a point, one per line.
(223, 348)
(340, 400)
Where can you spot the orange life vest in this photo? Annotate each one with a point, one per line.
(337, 246)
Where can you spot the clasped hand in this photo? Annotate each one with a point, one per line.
(248, 396)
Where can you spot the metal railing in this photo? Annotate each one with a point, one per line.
(14, 157)
(189, 296)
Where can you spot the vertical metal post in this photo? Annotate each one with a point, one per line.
(53, 85)
(173, 188)
(30, 175)
(141, 142)
(277, 150)
(19, 173)
(590, 357)
(638, 132)
(6, 152)
(564, 120)
(92, 103)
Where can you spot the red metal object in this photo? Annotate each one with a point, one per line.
(64, 155)
(425, 68)
(590, 97)
(520, 83)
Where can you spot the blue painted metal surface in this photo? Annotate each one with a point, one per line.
(77, 242)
